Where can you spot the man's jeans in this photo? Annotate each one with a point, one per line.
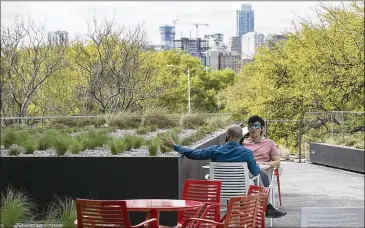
(264, 179)
(265, 176)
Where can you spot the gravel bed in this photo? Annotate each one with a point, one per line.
(36, 225)
(105, 152)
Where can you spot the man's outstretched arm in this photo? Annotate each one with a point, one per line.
(197, 154)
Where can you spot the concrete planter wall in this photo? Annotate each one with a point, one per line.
(337, 156)
(104, 177)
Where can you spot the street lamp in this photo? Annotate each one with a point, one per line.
(189, 106)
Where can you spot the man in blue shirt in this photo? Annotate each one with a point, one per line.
(231, 151)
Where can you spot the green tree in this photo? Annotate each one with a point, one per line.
(28, 61)
(319, 67)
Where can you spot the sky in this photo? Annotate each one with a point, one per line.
(270, 17)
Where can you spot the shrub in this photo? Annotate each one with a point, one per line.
(161, 120)
(68, 130)
(91, 121)
(29, 146)
(187, 141)
(61, 145)
(75, 146)
(117, 146)
(9, 139)
(56, 126)
(177, 130)
(201, 132)
(170, 135)
(124, 121)
(14, 150)
(174, 136)
(47, 140)
(219, 120)
(128, 140)
(351, 140)
(94, 138)
(137, 141)
(63, 122)
(20, 127)
(164, 148)
(15, 207)
(19, 137)
(62, 211)
(193, 120)
(153, 145)
(145, 129)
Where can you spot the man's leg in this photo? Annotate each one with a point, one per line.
(271, 212)
(264, 179)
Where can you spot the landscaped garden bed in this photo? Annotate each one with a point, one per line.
(116, 159)
(115, 136)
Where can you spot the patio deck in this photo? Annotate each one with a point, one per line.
(309, 185)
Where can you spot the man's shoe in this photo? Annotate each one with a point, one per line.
(272, 212)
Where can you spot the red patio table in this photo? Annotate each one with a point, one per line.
(154, 206)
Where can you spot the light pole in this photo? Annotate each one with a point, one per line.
(189, 106)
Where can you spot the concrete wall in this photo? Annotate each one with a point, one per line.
(192, 169)
(43, 178)
(337, 156)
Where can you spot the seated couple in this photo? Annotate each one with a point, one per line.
(254, 148)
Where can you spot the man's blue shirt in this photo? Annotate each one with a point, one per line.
(230, 152)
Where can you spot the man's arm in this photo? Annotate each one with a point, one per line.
(197, 154)
(275, 161)
(252, 165)
(275, 156)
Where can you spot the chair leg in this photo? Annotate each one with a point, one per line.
(278, 180)
(273, 196)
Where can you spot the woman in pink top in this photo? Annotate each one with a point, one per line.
(265, 152)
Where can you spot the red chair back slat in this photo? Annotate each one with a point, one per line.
(242, 211)
(102, 213)
(264, 195)
(206, 191)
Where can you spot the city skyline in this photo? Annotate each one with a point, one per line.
(270, 17)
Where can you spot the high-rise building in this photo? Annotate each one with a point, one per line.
(231, 60)
(271, 39)
(194, 47)
(245, 20)
(223, 59)
(250, 42)
(215, 40)
(167, 33)
(234, 44)
(58, 38)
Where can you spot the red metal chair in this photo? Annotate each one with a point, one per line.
(242, 212)
(264, 195)
(206, 191)
(276, 173)
(105, 213)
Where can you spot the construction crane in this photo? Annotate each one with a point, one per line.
(196, 25)
(197, 29)
(174, 21)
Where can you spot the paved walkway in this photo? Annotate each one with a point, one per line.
(309, 185)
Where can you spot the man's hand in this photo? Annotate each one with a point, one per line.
(168, 142)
